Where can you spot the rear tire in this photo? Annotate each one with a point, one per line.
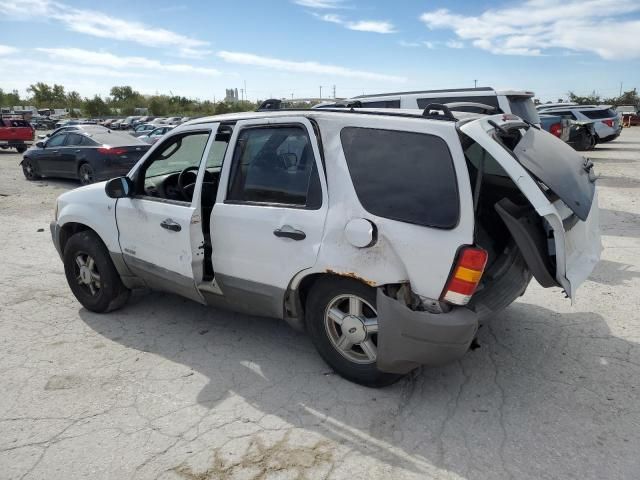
(91, 275)
(357, 362)
(86, 174)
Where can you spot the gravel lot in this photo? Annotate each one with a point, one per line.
(166, 388)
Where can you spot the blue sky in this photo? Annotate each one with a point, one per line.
(292, 47)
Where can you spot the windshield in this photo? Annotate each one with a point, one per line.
(524, 108)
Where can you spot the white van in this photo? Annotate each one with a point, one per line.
(518, 102)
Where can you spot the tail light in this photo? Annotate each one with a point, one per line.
(608, 123)
(112, 151)
(556, 129)
(465, 277)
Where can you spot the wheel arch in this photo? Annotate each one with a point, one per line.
(296, 294)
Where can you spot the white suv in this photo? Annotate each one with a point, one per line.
(517, 102)
(387, 235)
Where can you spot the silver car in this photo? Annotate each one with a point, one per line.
(606, 120)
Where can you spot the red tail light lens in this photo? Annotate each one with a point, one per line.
(608, 123)
(465, 276)
(556, 129)
(112, 151)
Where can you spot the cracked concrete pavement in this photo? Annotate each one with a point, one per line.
(166, 388)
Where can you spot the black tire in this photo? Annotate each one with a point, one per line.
(323, 292)
(29, 170)
(111, 293)
(86, 174)
(21, 149)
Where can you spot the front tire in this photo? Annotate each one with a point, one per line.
(28, 170)
(21, 149)
(341, 318)
(91, 275)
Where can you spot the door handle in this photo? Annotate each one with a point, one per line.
(287, 231)
(77, 151)
(171, 225)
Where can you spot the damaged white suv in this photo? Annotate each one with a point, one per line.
(387, 235)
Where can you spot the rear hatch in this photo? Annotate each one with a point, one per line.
(605, 115)
(560, 186)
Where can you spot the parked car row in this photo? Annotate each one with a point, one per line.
(133, 121)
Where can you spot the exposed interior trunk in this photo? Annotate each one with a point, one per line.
(506, 275)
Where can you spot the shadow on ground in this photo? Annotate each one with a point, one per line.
(546, 392)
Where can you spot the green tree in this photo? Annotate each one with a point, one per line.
(96, 107)
(627, 98)
(593, 99)
(42, 94)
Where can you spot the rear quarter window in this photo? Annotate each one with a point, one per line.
(403, 176)
(596, 114)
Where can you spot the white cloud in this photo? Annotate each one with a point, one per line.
(371, 26)
(331, 18)
(304, 67)
(101, 25)
(532, 27)
(404, 43)
(320, 4)
(430, 45)
(116, 62)
(375, 26)
(454, 44)
(7, 50)
(54, 71)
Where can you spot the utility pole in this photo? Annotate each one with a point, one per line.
(334, 92)
(242, 95)
(620, 89)
(245, 90)
(475, 84)
(320, 92)
(292, 96)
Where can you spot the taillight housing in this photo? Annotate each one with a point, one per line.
(112, 151)
(556, 129)
(608, 123)
(465, 276)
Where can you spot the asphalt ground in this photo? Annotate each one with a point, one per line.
(166, 388)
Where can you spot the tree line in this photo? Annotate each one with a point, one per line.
(122, 101)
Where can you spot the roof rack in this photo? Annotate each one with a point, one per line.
(416, 92)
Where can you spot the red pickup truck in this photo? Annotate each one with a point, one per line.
(16, 134)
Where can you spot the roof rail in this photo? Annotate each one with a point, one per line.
(458, 106)
(432, 111)
(270, 104)
(417, 92)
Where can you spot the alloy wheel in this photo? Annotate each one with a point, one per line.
(87, 273)
(86, 174)
(351, 324)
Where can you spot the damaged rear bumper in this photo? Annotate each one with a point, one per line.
(408, 338)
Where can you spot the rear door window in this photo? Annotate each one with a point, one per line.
(403, 176)
(275, 165)
(490, 100)
(382, 104)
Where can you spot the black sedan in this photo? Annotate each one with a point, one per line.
(87, 155)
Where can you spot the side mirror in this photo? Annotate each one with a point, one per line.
(40, 144)
(120, 187)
